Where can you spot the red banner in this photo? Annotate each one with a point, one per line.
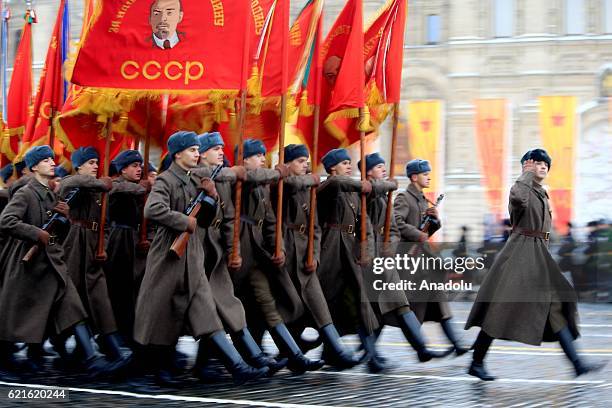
(164, 45)
(50, 93)
(20, 92)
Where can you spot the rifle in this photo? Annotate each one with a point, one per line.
(426, 224)
(55, 220)
(193, 209)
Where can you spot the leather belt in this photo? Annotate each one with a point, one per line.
(252, 221)
(531, 233)
(124, 226)
(90, 225)
(348, 228)
(301, 228)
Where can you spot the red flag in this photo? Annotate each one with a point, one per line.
(20, 92)
(50, 93)
(164, 45)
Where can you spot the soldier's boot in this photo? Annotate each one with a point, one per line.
(447, 327)
(335, 354)
(7, 362)
(110, 345)
(253, 354)
(304, 344)
(412, 331)
(376, 335)
(298, 362)
(371, 355)
(481, 346)
(166, 372)
(205, 368)
(95, 364)
(566, 340)
(36, 358)
(58, 342)
(240, 370)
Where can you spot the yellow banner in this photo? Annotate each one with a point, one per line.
(558, 132)
(424, 139)
(490, 125)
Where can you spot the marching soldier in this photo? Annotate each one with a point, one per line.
(296, 199)
(38, 299)
(125, 213)
(262, 278)
(340, 273)
(410, 206)
(218, 245)
(524, 297)
(392, 306)
(175, 296)
(81, 244)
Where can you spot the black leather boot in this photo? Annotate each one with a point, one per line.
(481, 346)
(566, 340)
(450, 334)
(205, 368)
(166, 374)
(368, 341)
(94, 363)
(298, 362)
(335, 354)
(111, 347)
(412, 331)
(240, 370)
(254, 356)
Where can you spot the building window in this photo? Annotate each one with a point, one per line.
(608, 16)
(504, 18)
(433, 29)
(574, 16)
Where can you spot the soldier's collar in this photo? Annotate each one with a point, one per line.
(40, 189)
(415, 191)
(180, 173)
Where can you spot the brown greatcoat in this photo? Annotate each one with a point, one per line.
(218, 244)
(296, 213)
(409, 208)
(80, 250)
(37, 299)
(390, 300)
(175, 297)
(257, 240)
(524, 297)
(122, 266)
(341, 277)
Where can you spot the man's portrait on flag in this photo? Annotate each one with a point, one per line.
(164, 18)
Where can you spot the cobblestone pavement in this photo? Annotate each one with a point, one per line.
(527, 376)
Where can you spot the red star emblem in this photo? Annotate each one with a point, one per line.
(426, 125)
(558, 120)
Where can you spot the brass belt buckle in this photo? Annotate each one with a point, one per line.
(260, 224)
(52, 240)
(302, 229)
(546, 236)
(217, 223)
(94, 226)
(350, 229)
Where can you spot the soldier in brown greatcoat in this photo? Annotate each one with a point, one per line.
(262, 280)
(524, 297)
(218, 245)
(38, 299)
(296, 213)
(392, 307)
(175, 297)
(81, 244)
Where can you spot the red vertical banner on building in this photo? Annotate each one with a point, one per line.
(491, 139)
(558, 132)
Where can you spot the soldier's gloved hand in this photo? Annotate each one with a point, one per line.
(433, 211)
(394, 181)
(43, 237)
(311, 268)
(529, 165)
(283, 170)
(366, 187)
(192, 225)
(62, 208)
(316, 179)
(423, 237)
(142, 248)
(279, 261)
(146, 184)
(234, 263)
(240, 172)
(209, 188)
(108, 183)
